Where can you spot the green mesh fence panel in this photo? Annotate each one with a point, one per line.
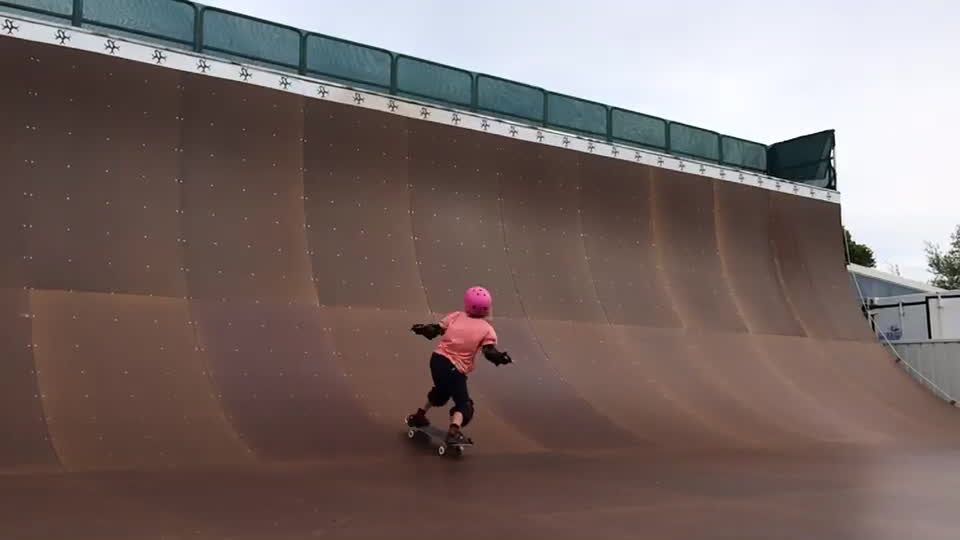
(423, 79)
(694, 142)
(806, 159)
(636, 128)
(576, 114)
(507, 98)
(41, 9)
(169, 20)
(348, 62)
(250, 38)
(744, 154)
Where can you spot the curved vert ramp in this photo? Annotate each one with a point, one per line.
(202, 272)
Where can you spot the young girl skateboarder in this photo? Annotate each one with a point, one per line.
(464, 334)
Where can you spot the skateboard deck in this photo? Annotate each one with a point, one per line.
(438, 436)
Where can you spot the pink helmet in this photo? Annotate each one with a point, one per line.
(477, 302)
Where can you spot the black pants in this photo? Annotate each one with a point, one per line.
(449, 383)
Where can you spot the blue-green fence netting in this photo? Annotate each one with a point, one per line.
(639, 129)
(180, 23)
(62, 8)
(51, 10)
(750, 154)
(347, 62)
(169, 21)
(807, 159)
(510, 99)
(577, 115)
(433, 82)
(251, 39)
(694, 142)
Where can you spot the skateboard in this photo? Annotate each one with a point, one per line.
(438, 436)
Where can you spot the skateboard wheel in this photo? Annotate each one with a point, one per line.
(442, 449)
(411, 433)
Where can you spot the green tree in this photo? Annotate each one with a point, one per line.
(859, 253)
(945, 266)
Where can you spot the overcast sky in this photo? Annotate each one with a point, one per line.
(885, 74)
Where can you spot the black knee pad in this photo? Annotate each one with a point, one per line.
(466, 411)
(436, 398)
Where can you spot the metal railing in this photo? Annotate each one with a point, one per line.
(913, 366)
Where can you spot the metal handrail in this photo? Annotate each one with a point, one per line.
(946, 396)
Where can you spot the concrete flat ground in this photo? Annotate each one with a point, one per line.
(420, 495)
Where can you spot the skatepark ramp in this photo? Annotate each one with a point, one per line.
(200, 271)
(209, 265)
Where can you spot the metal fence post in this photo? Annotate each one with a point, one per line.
(546, 109)
(609, 115)
(393, 74)
(303, 53)
(77, 19)
(474, 92)
(198, 28)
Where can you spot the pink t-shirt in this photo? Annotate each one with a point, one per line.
(463, 338)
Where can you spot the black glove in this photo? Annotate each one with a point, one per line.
(428, 331)
(497, 358)
(502, 359)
